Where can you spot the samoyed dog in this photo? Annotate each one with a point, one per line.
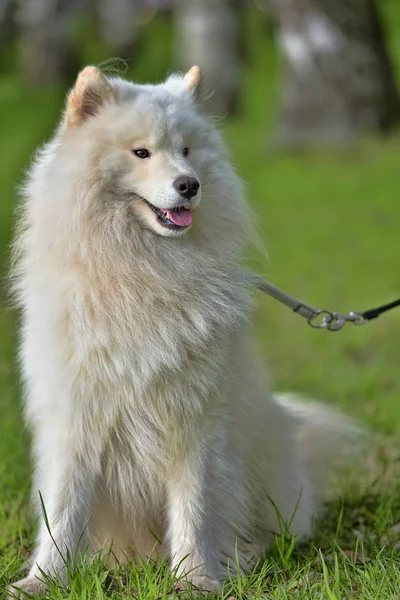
(147, 406)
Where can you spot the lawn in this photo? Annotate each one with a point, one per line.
(329, 222)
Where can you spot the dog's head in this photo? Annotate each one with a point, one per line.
(146, 147)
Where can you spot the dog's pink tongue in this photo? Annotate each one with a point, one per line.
(182, 218)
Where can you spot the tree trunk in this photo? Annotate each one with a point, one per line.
(7, 29)
(45, 49)
(210, 34)
(118, 25)
(339, 81)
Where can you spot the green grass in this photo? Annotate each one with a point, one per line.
(330, 223)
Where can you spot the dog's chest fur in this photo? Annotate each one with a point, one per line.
(140, 343)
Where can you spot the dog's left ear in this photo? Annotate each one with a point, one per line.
(192, 80)
(91, 91)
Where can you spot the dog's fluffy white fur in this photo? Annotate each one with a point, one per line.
(148, 410)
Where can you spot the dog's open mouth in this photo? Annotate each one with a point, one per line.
(173, 218)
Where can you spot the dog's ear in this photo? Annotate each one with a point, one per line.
(192, 80)
(91, 91)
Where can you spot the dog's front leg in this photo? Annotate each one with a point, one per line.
(203, 511)
(67, 468)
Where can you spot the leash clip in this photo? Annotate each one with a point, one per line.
(358, 318)
(333, 321)
(326, 319)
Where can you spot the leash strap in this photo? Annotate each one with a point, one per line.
(375, 312)
(317, 318)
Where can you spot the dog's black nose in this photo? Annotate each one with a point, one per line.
(186, 186)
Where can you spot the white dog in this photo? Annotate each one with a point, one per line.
(147, 406)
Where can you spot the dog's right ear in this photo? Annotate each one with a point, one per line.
(91, 91)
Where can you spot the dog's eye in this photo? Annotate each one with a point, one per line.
(142, 153)
(186, 151)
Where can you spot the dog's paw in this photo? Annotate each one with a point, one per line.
(30, 585)
(204, 584)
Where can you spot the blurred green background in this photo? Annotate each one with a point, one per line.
(329, 219)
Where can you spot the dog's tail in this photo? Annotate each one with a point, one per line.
(326, 437)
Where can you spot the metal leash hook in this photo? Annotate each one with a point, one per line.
(334, 321)
(321, 319)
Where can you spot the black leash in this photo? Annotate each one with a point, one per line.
(317, 318)
(375, 312)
